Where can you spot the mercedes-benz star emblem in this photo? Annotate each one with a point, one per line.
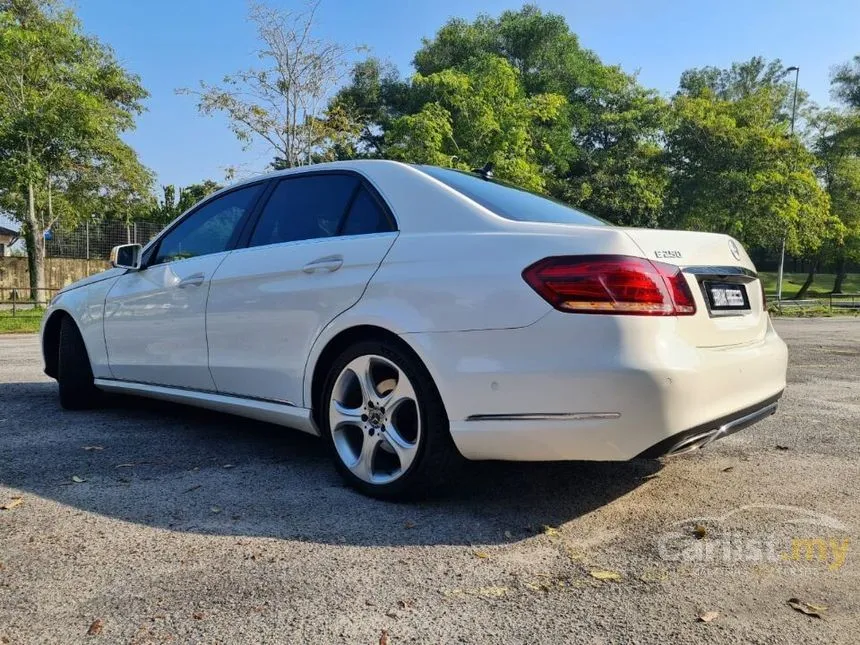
(733, 247)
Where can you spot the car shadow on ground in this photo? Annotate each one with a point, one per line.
(187, 470)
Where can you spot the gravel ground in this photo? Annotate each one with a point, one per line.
(164, 524)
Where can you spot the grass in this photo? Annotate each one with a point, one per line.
(24, 321)
(821, 286)
(816, 310)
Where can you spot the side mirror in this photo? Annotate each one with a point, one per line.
(126, 256)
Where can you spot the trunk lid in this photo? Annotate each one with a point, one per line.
(719, 272)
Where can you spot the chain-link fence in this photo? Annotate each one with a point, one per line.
(93, 241)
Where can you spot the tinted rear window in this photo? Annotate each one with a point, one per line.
(509, 201)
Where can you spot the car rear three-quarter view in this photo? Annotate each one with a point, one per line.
(411, 315)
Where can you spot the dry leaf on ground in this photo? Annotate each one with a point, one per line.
(806, 608)
(550, 531)
(699, 531)
(96, 627)
(12, 503)
(708, 616)
(481, 554)
(603, 574)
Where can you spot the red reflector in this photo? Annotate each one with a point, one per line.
(611, 284)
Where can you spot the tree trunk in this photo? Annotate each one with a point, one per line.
(841, 273)
(809, 279)
(34, 239)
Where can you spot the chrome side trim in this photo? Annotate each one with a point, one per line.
(546, 416)
(269, 411)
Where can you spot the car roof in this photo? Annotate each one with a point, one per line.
(420, 203)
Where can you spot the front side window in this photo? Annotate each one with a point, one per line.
(210, 228)
(304, 208)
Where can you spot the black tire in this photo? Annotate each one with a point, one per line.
(74, 373)
(437, 458)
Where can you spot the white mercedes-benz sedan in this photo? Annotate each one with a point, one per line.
(410, 315)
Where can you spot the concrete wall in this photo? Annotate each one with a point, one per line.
(58, 273)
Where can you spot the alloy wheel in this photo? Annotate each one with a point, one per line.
(374, 419)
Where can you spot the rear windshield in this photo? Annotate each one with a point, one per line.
(510, 202)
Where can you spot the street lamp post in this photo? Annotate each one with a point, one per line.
(796, 71)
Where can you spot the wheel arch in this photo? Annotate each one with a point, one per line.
(51, 340)
(345, 338)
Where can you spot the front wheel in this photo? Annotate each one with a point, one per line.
(385, 423)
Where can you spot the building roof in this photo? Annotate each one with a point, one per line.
(8, 232)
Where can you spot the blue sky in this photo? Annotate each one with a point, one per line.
(176, 43)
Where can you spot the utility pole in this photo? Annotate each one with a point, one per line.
(796, 71)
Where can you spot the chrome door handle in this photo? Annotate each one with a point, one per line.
(329, 263)
(194, 280)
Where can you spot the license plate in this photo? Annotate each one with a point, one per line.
(727, 297)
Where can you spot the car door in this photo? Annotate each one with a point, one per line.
(315, 245)
(155, 318)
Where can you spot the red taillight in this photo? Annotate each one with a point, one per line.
(611, 284)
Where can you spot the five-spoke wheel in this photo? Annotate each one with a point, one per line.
(374, 420)
(384, 419)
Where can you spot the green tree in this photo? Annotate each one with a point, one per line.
(476, 115)
(837, 146)
(175, 201)
(735, 170)
(742, 80)
(846, 83)
(589, 133)
(839, 171)
(64, 100)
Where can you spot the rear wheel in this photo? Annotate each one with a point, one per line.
(385, 422)
(74, 373)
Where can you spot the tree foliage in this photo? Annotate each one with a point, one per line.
(475, 115)
(846, 83)
(734, 170)
(64, 100)
(837, 148)
(520, 91)
(175, 201)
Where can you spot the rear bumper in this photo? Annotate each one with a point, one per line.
(705, 434)
(604, 389)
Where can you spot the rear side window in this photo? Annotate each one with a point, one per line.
(365, 216)
(509, 201)
(304, 208)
